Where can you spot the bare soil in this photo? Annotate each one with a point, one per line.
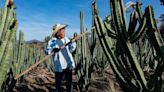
(42, 80)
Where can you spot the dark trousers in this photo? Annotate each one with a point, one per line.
(68, 77)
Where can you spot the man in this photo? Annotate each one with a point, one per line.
(62, 59)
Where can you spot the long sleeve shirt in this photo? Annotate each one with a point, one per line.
(62, 59)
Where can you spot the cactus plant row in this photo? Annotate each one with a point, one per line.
(14, 56)
(126, 58)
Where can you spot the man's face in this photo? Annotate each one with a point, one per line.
(61, 33)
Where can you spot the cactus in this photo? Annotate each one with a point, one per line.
(125, 60)
(157, 42)
(14, 57)
(1, 10)
(7, 57)
(93, 36)
(83, 59)
(8, 18)
(21, 51)
(3, 18)
(8, 27)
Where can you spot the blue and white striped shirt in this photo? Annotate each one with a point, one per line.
(62, 59)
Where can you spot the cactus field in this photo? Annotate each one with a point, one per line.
(119, 54)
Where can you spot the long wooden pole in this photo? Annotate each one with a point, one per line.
(46, 57)
(33, 66)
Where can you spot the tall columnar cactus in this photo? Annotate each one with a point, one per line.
(8, 17)
(1, 14)
(92, 42)
(157, 42)
(8, 27)
(87, 55)
(14, 57)
(121, 32)
(21, 52)
(25, 62)
(7, 57)
(83, 63)
(3, 18)
(124, 59)
(99, 61)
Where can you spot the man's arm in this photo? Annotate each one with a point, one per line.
(51, 47)
(72, 46)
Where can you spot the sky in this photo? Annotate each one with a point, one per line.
(37, 17)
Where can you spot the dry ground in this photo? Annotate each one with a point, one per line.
(42, 80)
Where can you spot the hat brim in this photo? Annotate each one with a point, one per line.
(55, 30)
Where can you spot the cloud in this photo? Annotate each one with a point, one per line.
(35, 27)
(81, 6)
(37, 21)
(70, 31)
(38, 26)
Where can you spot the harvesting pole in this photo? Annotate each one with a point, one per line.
(48, 56)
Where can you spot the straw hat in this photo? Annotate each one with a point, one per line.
(57, 27)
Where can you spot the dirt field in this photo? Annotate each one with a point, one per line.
(42, 80)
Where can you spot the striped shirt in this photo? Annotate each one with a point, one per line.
(62, 59)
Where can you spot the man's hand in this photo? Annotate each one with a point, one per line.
(56, 50)
(76, 38)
